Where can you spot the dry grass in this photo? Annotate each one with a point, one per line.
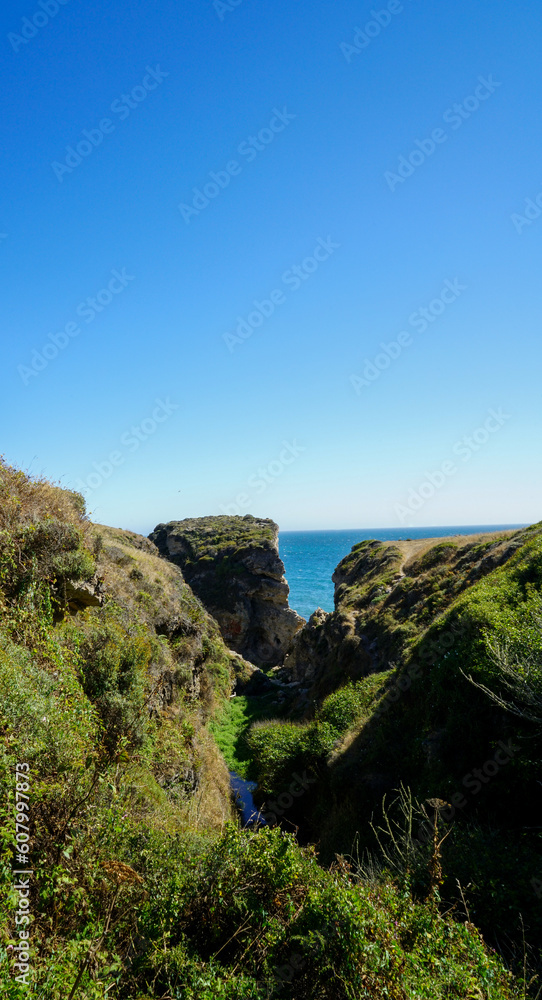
(211, 806)
(416, 549)
(26, 499)
(136, 575)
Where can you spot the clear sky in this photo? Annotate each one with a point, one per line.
(213, 217)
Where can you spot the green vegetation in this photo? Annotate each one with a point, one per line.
(279, 749)
(437, 555)
(291, 929)
(102, 708)
(143, 886)
(231, 725)
(222, 537)
(466, 686)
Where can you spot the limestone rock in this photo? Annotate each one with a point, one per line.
(233, 565)
(81, 594)
(326, 652)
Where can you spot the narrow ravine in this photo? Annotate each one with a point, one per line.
(242, 793)
(229, 730)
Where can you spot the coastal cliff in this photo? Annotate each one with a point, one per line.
(422, 691)
(234, 567)
(386, 595)
(115, 692)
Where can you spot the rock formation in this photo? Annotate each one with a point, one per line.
(81, 594)
(386, 595)
(233, 565)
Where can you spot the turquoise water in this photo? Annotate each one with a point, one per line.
(310, 557)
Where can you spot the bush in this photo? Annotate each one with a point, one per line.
(258, 911)
(281, 748)
(112, 662)
(344, 707)
(51, 723)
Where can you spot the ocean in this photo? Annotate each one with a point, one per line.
(310, 557)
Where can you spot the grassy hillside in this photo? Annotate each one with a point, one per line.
(454, 717)
(143, 886)
(387, 594)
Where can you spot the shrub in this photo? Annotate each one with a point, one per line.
(52, 724)
(342, 708)
(254, 907)
(113, 663)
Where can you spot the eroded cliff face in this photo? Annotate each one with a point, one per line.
(386, 595)
(233, 565)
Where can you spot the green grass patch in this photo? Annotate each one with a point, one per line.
(231, 725)
(280, 748)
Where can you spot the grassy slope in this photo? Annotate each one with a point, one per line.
(428, 727)
(140, 892)
(387, 595)
(398, 589)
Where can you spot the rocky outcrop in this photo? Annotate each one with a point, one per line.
(386, 595)
(324, 655)
(234, 567)
(81, 594)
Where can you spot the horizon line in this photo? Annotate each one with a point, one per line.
(428, 527)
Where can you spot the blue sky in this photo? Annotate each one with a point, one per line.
(147, 397)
